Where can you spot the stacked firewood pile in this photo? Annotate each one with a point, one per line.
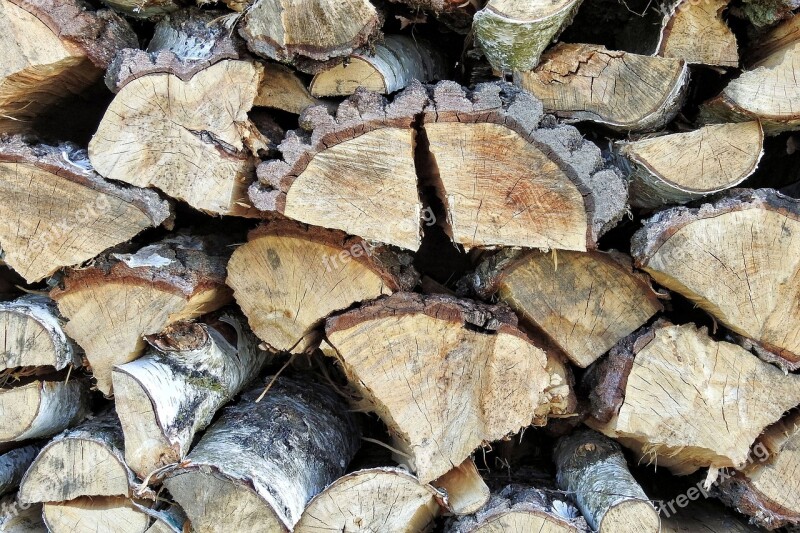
(400, 266)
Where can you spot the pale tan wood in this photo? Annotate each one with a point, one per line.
(465, 490)
(14, 518)
(41, 408)
(690, 402)
(697, 34)
(738, 259)
(282, 89)
(90, 515)
(623, 91)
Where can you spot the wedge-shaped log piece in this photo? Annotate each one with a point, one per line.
(41, 408)
(190, 138)
(768, 90)
(283, 308)
(52, 49)
(737, 258)
(318, 30)
(260, 463)
(353, 173)
(389, 67)
(19, 518)
(407, 355)
(105, 513)
(522, 509)
(514, 34)
(623, 91)
(713, 158)
(165, 397)
(506, 181)
(593, 469)
(84, 461)
(463, 488)
(585, 302)
(14, 464)
(32, 334)
(697, 34)
(767, 488)
(121, 298)
(281, 88)
(373, 499)
(59, 212)
(686, 401)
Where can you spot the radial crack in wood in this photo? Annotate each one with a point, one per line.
(696, 33)
(41, 408)
(89, 515)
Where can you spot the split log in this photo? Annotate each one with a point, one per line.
(509, 178)
(113, 304)
(677, 397)
(259, 464)
(713, 158)
(707, 518)
(513, 34)
(406, 356)
(620, 90)
(592, 468)
(20, 518)
(83, 461)
(284, 309)
(308, 33)
(59, 212)
(53, 49)
(89, 515)
(522, 509)
(584, 302)
(41, 408)
(282, 89)
(14, 464)
(32, 334)
(464, 491)
(737, 258)
(766, 489)
(167, 396)
(387, 68)
(696, 33)
(767, 90)
(373, 499)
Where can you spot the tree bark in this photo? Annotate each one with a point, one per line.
(88, 515)
(41, 408)
(14, 464)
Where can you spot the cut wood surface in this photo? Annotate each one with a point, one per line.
(584, 302)
(620, 90)
(281, 88)
(405, 355)
(737, 258)
(372, 499)
(53, 49)
(514, 34)
(522, 509)
(592, 468)
(32, 334)
(113, 304)
(387, 68)
(83, 461)
(166, 397)
(692, 380)
(464, 490)
(41, 408)
(17, 518)
(89, 515)
(713, 158)
(283, 309)
(59, 212)
(260, 463)
(14, 464)
(697, 34)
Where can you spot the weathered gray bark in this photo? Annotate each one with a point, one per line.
(13, 465)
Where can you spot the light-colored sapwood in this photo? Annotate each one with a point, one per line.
(281, 88)
(41, 408)
(19, 518)
(696, 33)
(90, 515)
(463, 487)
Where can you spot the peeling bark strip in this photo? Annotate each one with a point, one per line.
(712, 159)
(32, 334)
(257, 467)
(522, 509)
(52, 49)
(696, 33)
(689, 377)
(285, 310)
(389, 67)
(514, 34)
(41, 409)
(40, 187)
(585, 302)
(738, 258)
(406, 356)
(166, 397)
(14, 464)
(107, 513)
(15, 518)
(84, 461)
(373, 499)
(113, 304)
(592, 468)
(620, 90)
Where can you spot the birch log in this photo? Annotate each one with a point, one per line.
(90, 515)
(14, 464)
(20, 518)
(41, 408)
